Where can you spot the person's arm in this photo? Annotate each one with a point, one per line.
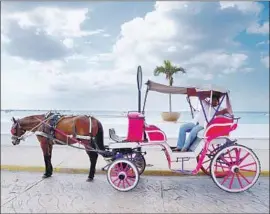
(222, 112)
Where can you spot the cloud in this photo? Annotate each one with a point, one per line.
(177, 31)
(29, 44)
(69, 43)
(247, 8)
(106, 35)
(256, 28)
(44, 33)
(265, 61)
(219, 61)
(244, 7)
(54, 21)
(263, 43)
(52, 53)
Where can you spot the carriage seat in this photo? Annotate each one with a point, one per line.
(220, 125)
(115, 137)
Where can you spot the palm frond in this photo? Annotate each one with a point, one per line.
(168, 69)
(159, 70)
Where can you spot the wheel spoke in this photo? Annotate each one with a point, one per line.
(239, 180)
(119, 183)
(116, 168)
(127, 182)
(131, 179)
(242, 159)
(247, 170)
(206, 161)
(125, 167)
(115, 180)
(221, 166)
(222, 174)
(223, 159)
(231, 182)
(237, 152)
(207, 168)
(244, 177)
(121, 166)
(248, 165)
(230, 156)
(114, 174)
(227, 176)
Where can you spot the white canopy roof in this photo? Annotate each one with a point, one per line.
(189, 90)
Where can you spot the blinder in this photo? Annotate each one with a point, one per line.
(14, 129)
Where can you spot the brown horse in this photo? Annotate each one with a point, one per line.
(54, 129)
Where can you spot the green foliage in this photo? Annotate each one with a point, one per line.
(169, 70)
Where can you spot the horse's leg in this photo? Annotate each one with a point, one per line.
(47, 154)
(93, 156)
(49, 160)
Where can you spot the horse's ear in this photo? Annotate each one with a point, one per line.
(13, 119)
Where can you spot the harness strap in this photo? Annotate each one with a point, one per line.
(74, 128)
(90, 126)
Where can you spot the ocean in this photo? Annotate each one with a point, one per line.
(251, 124)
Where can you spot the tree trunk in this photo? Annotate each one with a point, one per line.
(170, 95)
(170, 102)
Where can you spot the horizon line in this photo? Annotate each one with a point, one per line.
(80, 110)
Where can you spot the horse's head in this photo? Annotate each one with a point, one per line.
(17, 131)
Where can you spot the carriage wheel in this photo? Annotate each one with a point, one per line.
(138, 159)
(212, 150)
(240, 165)
(123, 175)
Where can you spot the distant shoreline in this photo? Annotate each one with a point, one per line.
(95, 110)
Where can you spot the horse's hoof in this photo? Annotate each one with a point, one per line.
(90, 179)
(46, 176)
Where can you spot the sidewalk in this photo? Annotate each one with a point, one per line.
(26, 192)
(67, 159)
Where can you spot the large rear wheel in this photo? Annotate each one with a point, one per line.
(239, 166)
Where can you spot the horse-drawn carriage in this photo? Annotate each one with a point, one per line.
(233, 167)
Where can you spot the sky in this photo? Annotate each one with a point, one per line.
(84, 55)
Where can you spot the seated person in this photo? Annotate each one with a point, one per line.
(197, 124)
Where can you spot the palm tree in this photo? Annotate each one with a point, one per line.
(169, 70)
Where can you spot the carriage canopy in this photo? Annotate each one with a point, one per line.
(188, 90)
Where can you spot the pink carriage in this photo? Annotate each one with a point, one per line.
(233, 167)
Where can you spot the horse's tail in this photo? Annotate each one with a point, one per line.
(100, 136)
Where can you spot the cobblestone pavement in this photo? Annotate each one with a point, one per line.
(26, 192)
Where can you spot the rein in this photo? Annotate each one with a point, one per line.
(25, 135)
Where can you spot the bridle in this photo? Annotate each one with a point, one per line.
(14, 130)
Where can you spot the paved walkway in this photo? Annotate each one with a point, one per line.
(69, 193)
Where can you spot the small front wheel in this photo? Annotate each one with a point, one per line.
(123, 175)
(239, 166)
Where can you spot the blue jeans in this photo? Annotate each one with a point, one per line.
(187, 127)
